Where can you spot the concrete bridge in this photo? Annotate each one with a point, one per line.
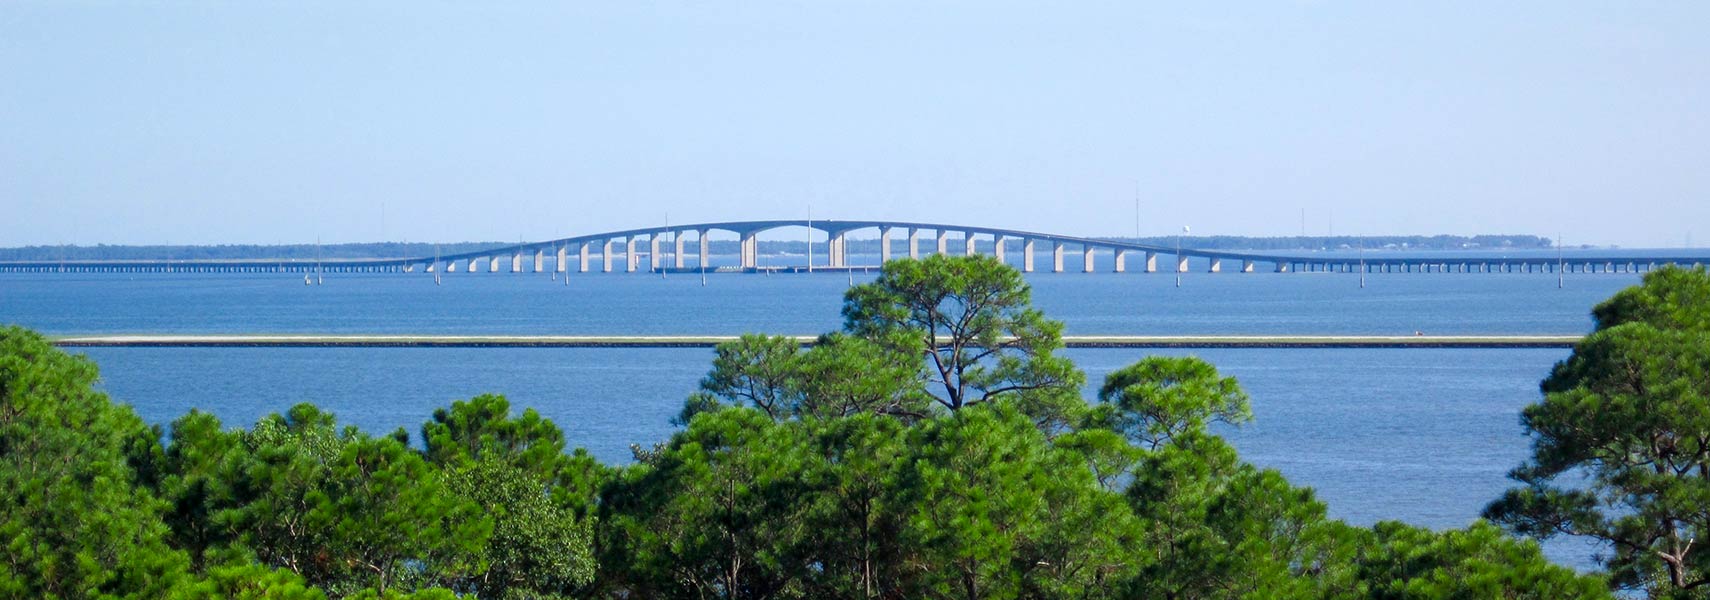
(687, 247)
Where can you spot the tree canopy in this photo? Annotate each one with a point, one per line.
(1621, 440)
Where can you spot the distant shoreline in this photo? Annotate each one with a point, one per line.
(521, 341)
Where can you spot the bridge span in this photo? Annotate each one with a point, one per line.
(688, 247)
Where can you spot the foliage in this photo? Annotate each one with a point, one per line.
(972, 320)
(1621, 449)
(537, 497)
(1217, 527)
(1400, 562)
(481, 428)
(711, 514)
(1672, 297)
(997, 512)
(72, 521)
(1161, 397)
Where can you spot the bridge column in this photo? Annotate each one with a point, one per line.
(561, 266)
(493, 265)
(1247, 265)
(677, 257)
(1027, 255)
(943, 242)
(1181, 264)
(1121, 260)
(433, 266)
(750, 253)
(653, 259)
(1151, 262)
(704, 248)
(913, 243)
(631, 258)
(539, 260)
(884, 245)
(1056, 257)
(582, 257)
(450, 266)
(837, 249)
(997, 247)
(968, 244)
(606, 255)
(1086, 259)
(516, 262)
(1216, 265)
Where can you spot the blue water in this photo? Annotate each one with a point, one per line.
(1419, 435)
(638, 304)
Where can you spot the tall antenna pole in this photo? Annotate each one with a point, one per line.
(1137, 211)
(1179, 260)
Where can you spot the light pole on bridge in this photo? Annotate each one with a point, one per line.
(1181, 262)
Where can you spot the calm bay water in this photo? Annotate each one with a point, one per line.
(1418, 435)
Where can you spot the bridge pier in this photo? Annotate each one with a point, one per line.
(516, 262)
(1181, 264)
(582, 257)
(606, 257)
(1216, 265)
(1247, 266)
(562, 266)
(1121, 260)
(677, 252)
(884, 245)
(493, 264)
(968, 244)
(1151, 262)
(836, 248)
(1086, 258)
(654, 259)
(1056, 257)
(913, 243)
(631, 258)
(1027, 247)
(750, 252)
(450, 267)
(702, 239)
(943, 242)
(997, 247)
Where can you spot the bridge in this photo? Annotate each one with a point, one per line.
(656, 249)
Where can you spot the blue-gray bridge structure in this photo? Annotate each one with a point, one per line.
(666, 248)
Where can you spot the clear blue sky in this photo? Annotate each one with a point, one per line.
(211, 122)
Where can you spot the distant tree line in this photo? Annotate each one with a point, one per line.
(860, 246)
(935, 447)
